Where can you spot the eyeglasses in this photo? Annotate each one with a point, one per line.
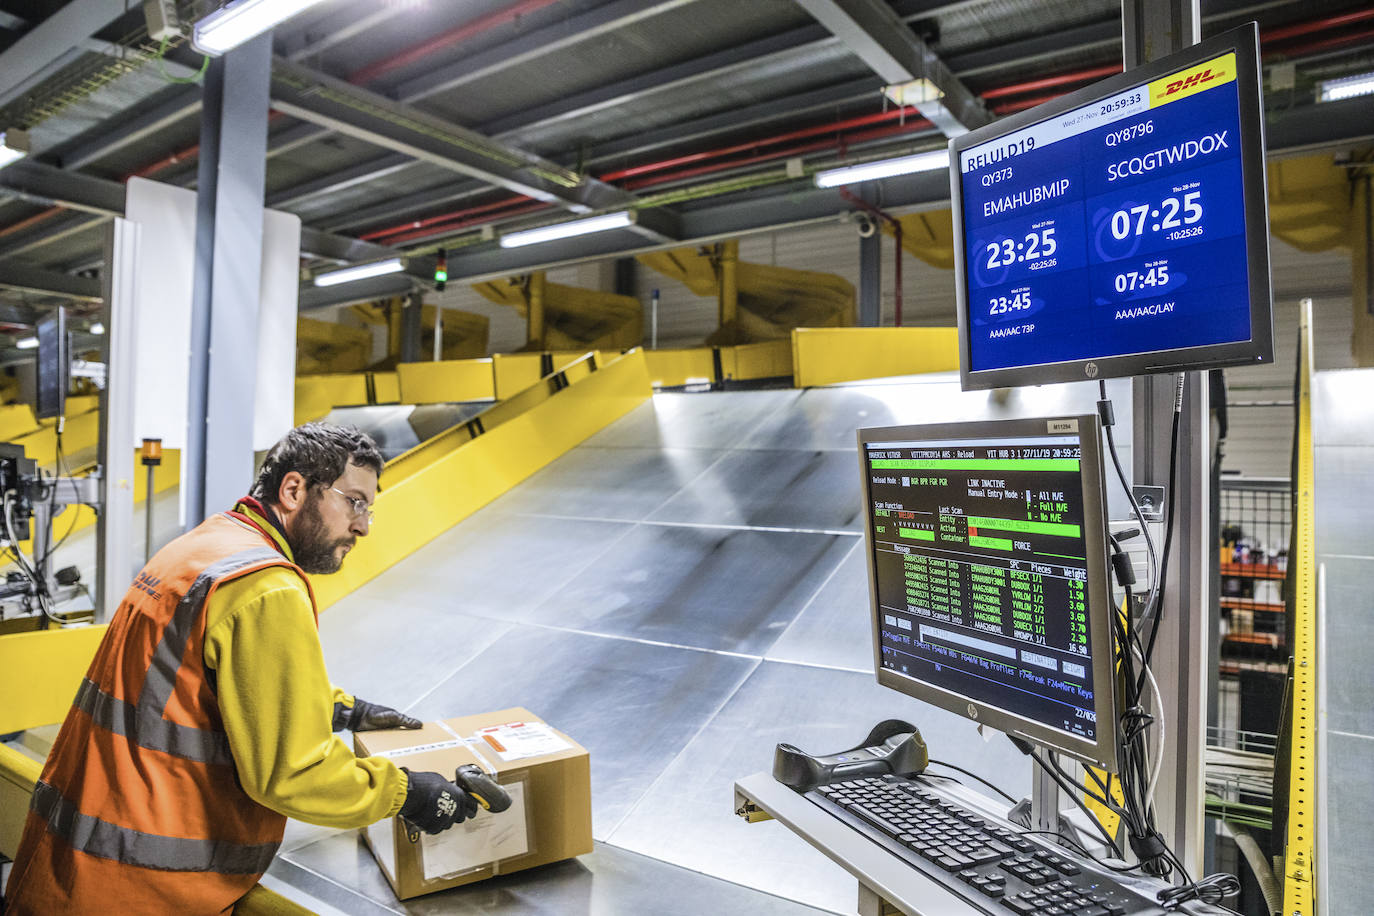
(358, 505)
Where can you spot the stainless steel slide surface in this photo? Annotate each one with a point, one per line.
(679, 593)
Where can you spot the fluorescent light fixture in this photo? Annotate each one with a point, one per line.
(1347, 87)
(618, 220)
(14, 145)
(884, 168)
(231, 25)
(26, 343)
(361, 272)
(97, 328)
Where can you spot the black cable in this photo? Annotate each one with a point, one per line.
(1105, 412)
(974, 776)
(63, 471)
(1073, 795)
(1168, 528)
(1078, 848)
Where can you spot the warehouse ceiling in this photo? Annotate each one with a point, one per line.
(705, 116)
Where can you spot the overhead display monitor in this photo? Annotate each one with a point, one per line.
(1119, 230)
(987, 558)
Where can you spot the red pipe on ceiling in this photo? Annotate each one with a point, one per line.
(443, 217)
(509, 13)
(530, 207)
(1315, 25)
(861, 121)
(463, 32)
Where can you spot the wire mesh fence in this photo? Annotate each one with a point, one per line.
(1253, 527)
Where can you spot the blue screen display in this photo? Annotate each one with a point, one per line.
(1113, 229)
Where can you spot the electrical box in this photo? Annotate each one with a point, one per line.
(16, 472)
(162, 19)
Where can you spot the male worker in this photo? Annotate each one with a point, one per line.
(206, 718)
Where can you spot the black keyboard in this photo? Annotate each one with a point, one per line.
(987, 862)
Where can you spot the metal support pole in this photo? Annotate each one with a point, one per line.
(228, 271)
(148, 517)
(1152, 29)
(534, 297)
(727, 288)
(438, 333)
(653, 321)
(871, 280)
(410, 328)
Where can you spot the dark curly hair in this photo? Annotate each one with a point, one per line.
(319, 452)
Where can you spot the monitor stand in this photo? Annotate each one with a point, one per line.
(1042, 811)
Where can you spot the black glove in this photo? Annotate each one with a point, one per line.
(434, 804)
(367, 717)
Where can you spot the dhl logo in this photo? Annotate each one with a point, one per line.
(1200, 78)
(1190, 82)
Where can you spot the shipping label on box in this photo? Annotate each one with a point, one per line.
(480, 840)
(517, 740)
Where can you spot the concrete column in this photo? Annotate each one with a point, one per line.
(228, 271)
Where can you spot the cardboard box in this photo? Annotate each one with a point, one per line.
(547, 774)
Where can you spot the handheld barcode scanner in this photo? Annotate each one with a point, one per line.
(486, 791)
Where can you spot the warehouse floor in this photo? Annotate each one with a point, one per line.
(680, 593)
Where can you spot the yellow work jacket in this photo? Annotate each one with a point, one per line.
(203, 720)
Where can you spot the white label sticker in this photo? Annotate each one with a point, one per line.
(1062, 426)
(516, 740)
(419, 749)
(477, 841)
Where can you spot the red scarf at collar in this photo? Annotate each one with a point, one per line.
(262, 510)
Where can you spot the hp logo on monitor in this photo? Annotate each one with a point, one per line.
(972, 711)
(1090, 370)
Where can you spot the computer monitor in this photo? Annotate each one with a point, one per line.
(1120, 229)
(987, 563)
(54, 365)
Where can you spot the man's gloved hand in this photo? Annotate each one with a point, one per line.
(434, 804)
(367, 717)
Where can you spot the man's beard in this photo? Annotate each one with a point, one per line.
(311, 549)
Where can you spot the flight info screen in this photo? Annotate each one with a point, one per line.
(981, 572)
(1113, 229)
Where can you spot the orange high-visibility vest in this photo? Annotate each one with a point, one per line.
(139, 807)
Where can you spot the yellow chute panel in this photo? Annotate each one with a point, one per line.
(1309, 202)
(928, 236)
(569, 317)
(327, 346)
(768, 302)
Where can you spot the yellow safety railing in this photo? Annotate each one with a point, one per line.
(1299, 865)
(829, 356)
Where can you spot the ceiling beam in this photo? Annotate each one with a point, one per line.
(367, 116)
(49, 185)
(880, 38)
(35, 53)
(59, 227)
(715, 65)
(25, 278)
(318, 297)
(584, 26)
(779, 206)
(176, 104)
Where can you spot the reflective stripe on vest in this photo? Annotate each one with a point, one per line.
(96, 837)
(143, 725)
